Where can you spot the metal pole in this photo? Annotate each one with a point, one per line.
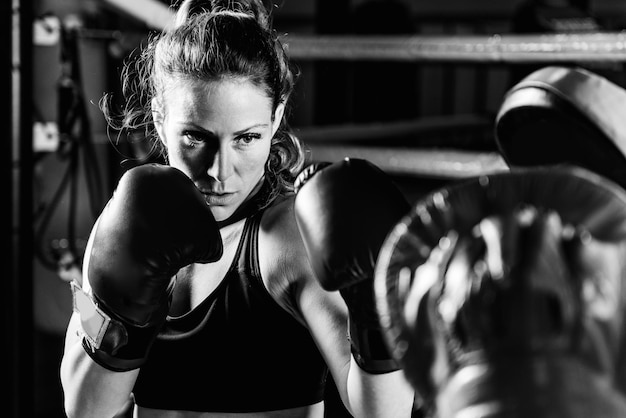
(17, 152)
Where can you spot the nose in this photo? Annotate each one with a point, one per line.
(221, 166)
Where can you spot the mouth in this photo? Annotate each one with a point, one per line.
(218, 198)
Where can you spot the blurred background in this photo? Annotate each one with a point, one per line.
(425, 121)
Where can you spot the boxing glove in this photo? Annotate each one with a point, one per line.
(155, 223)
(499, 295)
(344, 212)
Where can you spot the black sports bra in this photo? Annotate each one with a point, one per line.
(238, 351)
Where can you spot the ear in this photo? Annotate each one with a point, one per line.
(278, 117)
(157, 117)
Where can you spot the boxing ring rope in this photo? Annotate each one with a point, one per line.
(498, 48)
(371, 132)
(449, 164)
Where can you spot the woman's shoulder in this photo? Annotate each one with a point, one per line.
(278, 225)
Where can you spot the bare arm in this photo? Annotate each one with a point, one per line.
(363, 394)
(89, 389)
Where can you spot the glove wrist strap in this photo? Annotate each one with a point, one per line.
(109, 340)
(370, 350)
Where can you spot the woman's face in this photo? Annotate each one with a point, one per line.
(219, 134)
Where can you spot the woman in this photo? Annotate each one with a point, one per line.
(253, 333)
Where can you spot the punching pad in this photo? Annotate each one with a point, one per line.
(561, 115)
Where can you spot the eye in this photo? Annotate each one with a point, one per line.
(247, 138)
(193, 139)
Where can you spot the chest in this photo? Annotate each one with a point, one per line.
(196, 282)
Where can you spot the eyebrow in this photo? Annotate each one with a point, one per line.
(258, 125)
(239, 132)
